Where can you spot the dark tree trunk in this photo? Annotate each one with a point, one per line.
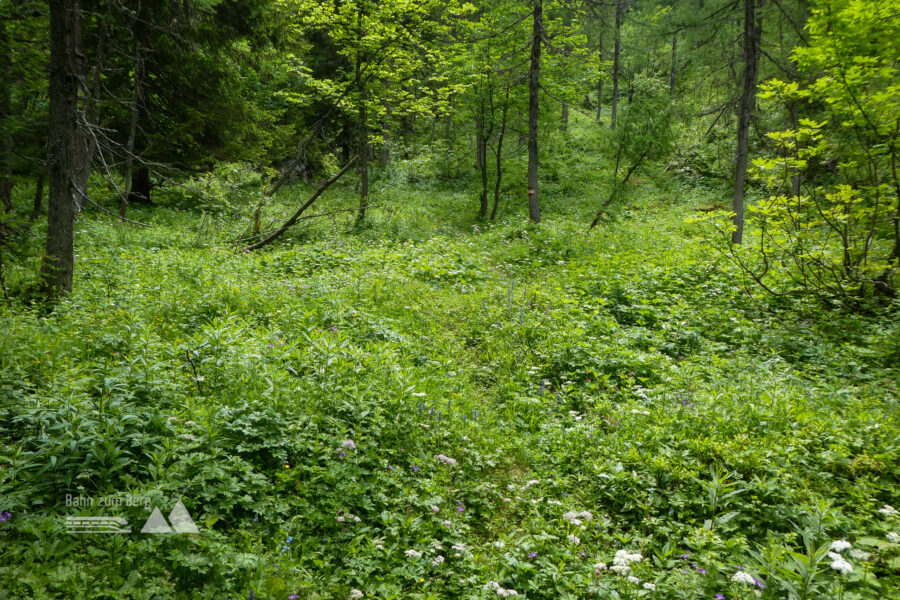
(67, 145)
(534, 83)
(752, 34)
(620, 7)
(385, 157)
(599, 98)
(499, 174)
(363, 144)
(6, 142)
(481, 159)
(674, 70)
(132, 131)
(141, 186)
(38, 196)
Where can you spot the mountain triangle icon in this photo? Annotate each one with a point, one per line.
(179, 517)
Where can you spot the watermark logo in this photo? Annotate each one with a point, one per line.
(179, 520)
(96, 525)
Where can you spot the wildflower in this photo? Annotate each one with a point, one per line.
(492, 585)
(720, 596)
(841, 566)
(859, 554)
(574, 539)
(348, 444)
(532, 555)
(188, 437)
(599, 567)
(446, 523)
(413, 554)
(415, 468)
(342, 455)
(438, 561)
(293, 597)
(650, 586)
(446, 459)
(379, 546)
(507, 592)
(459, 547)
(633, 579)
(893, 537)
(841, 545)
(742, 577)
(620, 570)
(888, 510)
(5, 516)
(531, 482)
(419, 394)
(577, 518)
(701, 571)
(435, 508)
(499, 544)
(190, 423)
(355, 594)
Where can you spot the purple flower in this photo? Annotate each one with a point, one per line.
(333, 328)
(701, 571)
(293, 597)
(5, 515)
(686, 556)
(720, 597)
(342, 455)
(532, 554)
(391, 467)
(415, 468)
(252, 595)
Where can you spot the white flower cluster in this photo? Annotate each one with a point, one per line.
(355, 594)
(633, 579)
(348, 444)
(888, 511)
(446, 459)
(622, 561)
(599, 567)
(531, 482)
(500, 591)
(650, 586)
(347, 517)
(447, 523)
(838, 562)
(438, 561)
(743, 577)
(840, 545)
(574, 539)
(435, 508)
(578, 518)
(893, 537)
(413, 554)
(458, 548)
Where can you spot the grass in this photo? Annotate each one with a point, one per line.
(624, 372)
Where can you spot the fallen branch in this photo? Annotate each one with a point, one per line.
(296, 216)
(305, 217)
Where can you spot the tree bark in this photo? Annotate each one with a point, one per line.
(6, 142)
(620, 7)
(38, 196)
(674, 70)
(481, 159)
(752, 34)
(67, 145)
(363, 144)
(132, 131)
(499, 174)
(141, 186)
(534, 83)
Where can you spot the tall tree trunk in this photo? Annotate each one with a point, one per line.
(599, 98)
(67, 145)
(752, 34)
(137, 68)
(141, 185)
(481, 159)
(385, 157)
(499, 174)
(534, 84)
(620, 7)
(6, 141)
(363, 144)
(674, 70)
(38, 196)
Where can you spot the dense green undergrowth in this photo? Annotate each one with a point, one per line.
(417, 411)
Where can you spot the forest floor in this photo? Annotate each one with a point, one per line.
(453, 411)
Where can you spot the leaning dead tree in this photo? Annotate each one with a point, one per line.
(287, 224)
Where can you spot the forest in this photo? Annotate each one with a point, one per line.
(450, 299)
